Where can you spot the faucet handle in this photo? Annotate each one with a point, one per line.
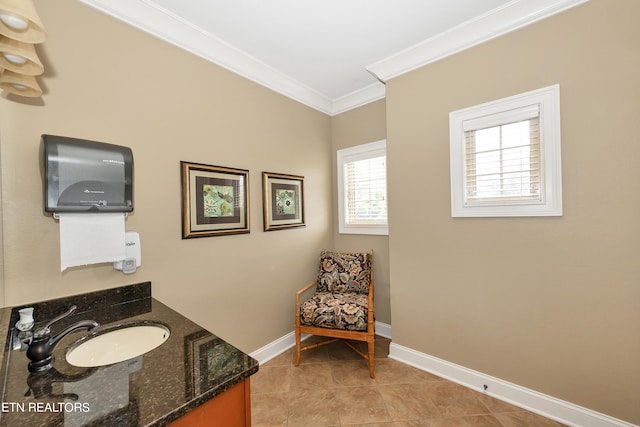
(44, 331)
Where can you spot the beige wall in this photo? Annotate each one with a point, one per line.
(360, 126)
(570, 331)
(110, 82)
(551, 304)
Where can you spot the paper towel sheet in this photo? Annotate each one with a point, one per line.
(91, 238)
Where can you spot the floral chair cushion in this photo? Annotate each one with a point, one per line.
(344, 272)
(346, 311)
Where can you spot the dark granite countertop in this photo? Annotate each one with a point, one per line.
(190, 368)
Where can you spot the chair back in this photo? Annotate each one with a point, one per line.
(342, 272)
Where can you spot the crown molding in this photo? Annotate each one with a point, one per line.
(165, 25)
(358, 98)
(150, 18)
(500, 21)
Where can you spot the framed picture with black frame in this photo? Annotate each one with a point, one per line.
(215, 200)
(282, 201)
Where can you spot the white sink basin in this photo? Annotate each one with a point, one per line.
(116, 345)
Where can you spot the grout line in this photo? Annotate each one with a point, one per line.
(286, 363)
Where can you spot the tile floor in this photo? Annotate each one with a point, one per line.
(331, 387)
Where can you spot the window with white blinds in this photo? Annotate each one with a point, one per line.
(362, 185)
(505, 157)
(503, 162)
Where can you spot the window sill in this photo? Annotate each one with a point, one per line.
(352, 229)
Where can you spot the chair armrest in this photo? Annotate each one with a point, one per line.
(303, 290)
(298, 294)
(370, 313)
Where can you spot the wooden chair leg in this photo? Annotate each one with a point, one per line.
(371, 345)
(297, 346)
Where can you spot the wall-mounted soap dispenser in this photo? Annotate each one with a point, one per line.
(133, 258)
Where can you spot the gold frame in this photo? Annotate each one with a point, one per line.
(282, 201)
(215, 200)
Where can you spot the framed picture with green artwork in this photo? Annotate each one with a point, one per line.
(215, 200)
(282, 201)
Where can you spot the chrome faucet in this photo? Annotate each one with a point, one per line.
(42, 344)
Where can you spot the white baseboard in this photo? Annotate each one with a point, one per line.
(531, 400)
(282, 344)
(383, 329)
(547, 406)
(274, 348)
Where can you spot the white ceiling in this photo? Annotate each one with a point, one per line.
(329, 54)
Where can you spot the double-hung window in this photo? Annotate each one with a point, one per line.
(362, 189)
(505, 157)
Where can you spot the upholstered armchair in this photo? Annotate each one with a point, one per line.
(341, 308)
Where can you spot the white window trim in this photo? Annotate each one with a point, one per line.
(548, 101)
(359, 152)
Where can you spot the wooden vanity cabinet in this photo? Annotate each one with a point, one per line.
(229, 409)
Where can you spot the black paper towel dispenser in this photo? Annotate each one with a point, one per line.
(86, 176)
